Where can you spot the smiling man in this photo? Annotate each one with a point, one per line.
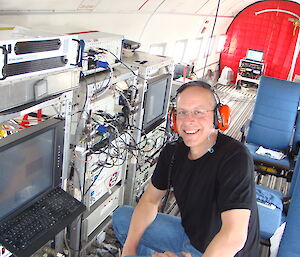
(213, 183)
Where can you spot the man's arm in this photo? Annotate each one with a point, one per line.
(143, 215)
(232, 236)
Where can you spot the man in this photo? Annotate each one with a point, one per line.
(213, 183)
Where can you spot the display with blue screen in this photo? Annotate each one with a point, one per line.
(255, 55)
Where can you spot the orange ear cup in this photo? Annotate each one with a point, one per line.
(173, 121)
(224, 122)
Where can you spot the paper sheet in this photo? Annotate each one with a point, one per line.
(270, 153)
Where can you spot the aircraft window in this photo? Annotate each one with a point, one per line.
(157, 49)
(193, 50)
(179, 50)
(209, 43)
(221, 43)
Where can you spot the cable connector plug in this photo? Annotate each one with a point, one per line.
(104, 65)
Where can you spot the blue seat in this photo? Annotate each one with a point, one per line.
(272, 124)
(270, 210)
(289, 245)
(296, 139)
(270, 205)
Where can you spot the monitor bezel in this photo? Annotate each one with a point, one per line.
(147, 127)
(58, 146)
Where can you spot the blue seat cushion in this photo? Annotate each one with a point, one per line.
(284, 163)
(290, 253)
(269, 195)
(270, 208)
(269, 221)
(290, 246)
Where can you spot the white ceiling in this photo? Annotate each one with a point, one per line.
(179, 7)
(145, 21)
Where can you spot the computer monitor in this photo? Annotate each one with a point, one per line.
(254, 55)
(156, 101)
(179, 70)
(30, 165)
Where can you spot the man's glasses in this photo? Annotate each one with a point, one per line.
(196, 113)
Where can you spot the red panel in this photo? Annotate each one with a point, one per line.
(297, 69)
(270, 32)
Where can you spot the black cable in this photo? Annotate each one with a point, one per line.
(115, 152)
(133, 87)
(105, 248)
(113, 164)
(78, 176)
(83, 107)
(211, 35)
(107, 84)
(112, 150)
(169, 176)
(151, 158)
(88, 189)
(131, 148)
(119, 60)
(86, 96)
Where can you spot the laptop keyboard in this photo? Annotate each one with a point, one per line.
(31, 229)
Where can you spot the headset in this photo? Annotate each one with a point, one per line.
(221, 111)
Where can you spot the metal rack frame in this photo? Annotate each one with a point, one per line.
(149, 67)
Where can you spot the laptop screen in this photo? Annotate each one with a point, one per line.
(255, 55)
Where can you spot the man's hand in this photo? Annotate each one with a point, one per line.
(128, 253)
(185, 254)
(170, 254)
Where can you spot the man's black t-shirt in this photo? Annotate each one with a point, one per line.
(206, 187)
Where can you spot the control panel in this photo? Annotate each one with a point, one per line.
(249, 71)
(92, 222)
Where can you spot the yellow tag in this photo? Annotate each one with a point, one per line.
(7, 28)
(2, 132)
(268, 169)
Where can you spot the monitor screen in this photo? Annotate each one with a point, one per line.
(254, 55)
(156, 101)
(179, 70)
(29, 165)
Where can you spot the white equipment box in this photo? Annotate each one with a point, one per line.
(35, 88)
(101, 212)
(104, 179)
(25, 52)
(94, 58)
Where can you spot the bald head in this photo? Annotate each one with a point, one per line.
(201, 85)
